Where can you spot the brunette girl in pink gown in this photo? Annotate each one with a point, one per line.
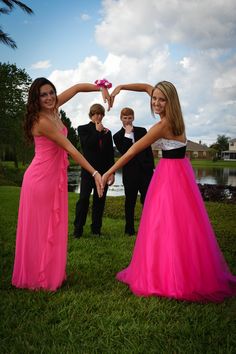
(41, 242)
(176, 254)
(41, 245)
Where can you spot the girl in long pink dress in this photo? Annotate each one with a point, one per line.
(41, 241)
(176, 254)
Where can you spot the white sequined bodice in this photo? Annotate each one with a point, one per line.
(166, 144)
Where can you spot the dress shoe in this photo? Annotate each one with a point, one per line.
(77, 233)
(96, 234)
(130, 232)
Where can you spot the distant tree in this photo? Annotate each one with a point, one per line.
(8, 7)
(221, 144)
(72, 134)
(14, 86)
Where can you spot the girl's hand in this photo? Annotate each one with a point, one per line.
(99, 184)
(114, 93)
(106, 97)
(111, 180)
(105, 178)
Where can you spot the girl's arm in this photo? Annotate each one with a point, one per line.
(47, 129)
(83, 87)
(156, 132)
(142, 87)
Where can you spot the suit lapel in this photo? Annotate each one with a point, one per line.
(135, 134)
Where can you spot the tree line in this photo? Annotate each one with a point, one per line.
(14, 87)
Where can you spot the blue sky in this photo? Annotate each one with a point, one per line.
(188, 42)
(58, 33)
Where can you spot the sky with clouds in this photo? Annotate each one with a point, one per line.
(191, 43)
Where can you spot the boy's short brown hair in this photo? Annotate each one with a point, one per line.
(126, 111)
(96, 108)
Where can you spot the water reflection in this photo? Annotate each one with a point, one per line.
(221, 176)
(218, 176)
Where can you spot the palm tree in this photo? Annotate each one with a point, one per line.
(9, 6)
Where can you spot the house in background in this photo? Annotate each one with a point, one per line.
(193, 151)
(231, 153)
(198, 151)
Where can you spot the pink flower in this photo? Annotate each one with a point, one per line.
(103, 83)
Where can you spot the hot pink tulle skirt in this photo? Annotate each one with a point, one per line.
(176, 254)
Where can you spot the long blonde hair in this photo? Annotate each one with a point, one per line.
(173, 108)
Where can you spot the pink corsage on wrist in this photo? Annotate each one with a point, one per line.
(103, 83)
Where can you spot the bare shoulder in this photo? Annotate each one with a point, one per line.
(44, 121)
(161, 126)
(43, 125)
(157, 131)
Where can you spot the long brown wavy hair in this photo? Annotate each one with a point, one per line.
(173, 108)
(33, 105)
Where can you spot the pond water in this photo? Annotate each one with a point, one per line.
(221, 176)
(218, 176)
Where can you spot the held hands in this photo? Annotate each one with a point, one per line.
(104, 85)
(109, 98)
(102, 181)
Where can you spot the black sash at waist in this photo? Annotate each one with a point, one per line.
(174, 153)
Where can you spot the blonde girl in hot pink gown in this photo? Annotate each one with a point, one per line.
(176, 254)
(42, 229)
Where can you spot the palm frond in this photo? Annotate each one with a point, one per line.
(23, 7)
(10, 4)
(4, 11)
(4, 38)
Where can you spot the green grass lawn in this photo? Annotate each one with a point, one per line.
(94, 313)
(209, 163)
(213, 164)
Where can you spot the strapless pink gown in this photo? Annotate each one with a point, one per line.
(42, 230)
(176, 254)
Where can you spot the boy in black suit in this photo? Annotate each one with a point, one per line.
(137, 173)
(97, 147)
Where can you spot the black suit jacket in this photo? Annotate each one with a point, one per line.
(142, 162)
(97, 148)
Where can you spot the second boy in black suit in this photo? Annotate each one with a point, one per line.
(97, 148)
(137, 173)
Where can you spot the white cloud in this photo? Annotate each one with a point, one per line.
(43, 64)
(227, 79)
(133, 26)
(186, 63)
(188, 42)
(85, 17)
